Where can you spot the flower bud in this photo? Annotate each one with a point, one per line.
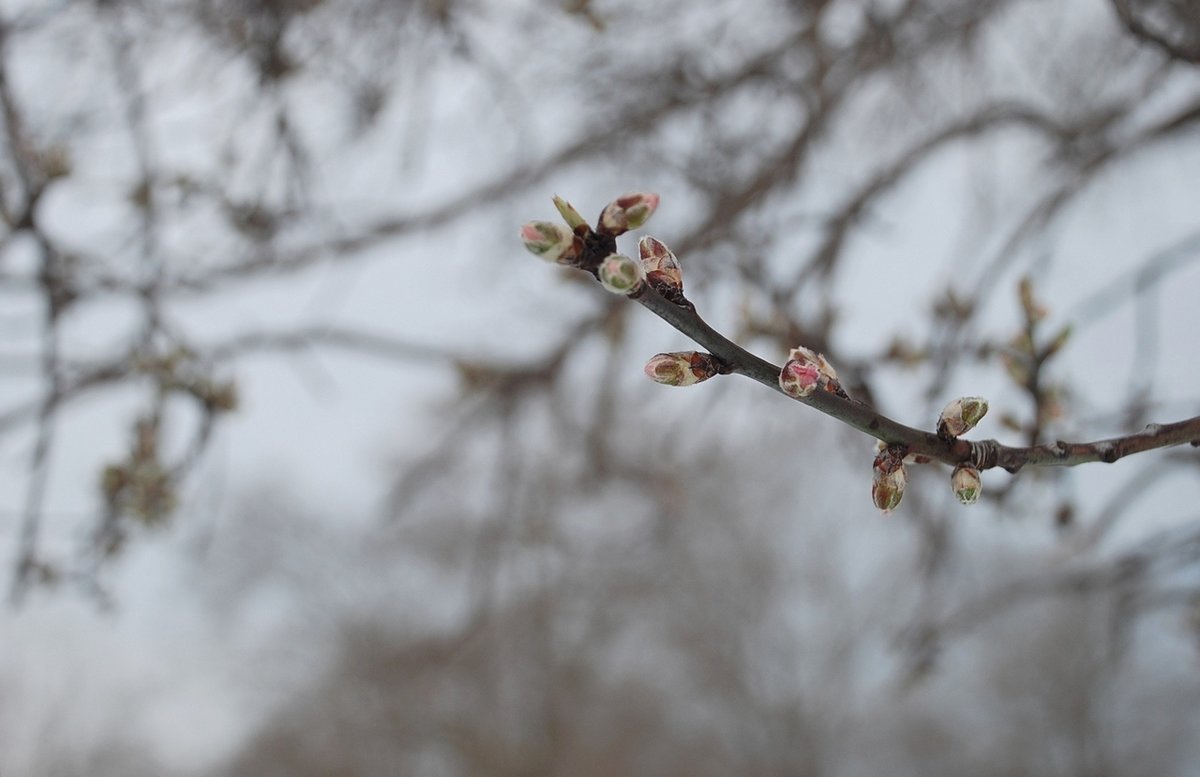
(569, 214)
(662, 268)
(685, 368)
(960, 416)
(889, 479)
(799, 377)
(805, 371)
(620, 274)
(552, 242)
(823, 366)
(966, 483)
(627, 212)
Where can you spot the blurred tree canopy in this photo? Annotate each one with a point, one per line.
(574, 571)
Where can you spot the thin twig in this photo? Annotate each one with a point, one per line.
(983, 454)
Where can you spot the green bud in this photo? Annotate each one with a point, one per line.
(629, 211)
(552, 242)
(960, 416)
(620, 274)
(569, 214)
(966, 483)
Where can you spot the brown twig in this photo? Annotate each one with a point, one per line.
(983, 454)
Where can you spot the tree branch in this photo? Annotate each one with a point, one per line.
(984, 454)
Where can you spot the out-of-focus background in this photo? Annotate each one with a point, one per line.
(308, 468)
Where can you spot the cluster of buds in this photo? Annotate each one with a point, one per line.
(685, 368)
(805, 371)
(577, 244)
(960, 416)
(889, 478)
(956, 419)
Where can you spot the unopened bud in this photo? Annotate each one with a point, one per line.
(805, 371)
(620, 274)
(888, 479)
(799, 377)
(552, 242)
(960, 416)
(569, 214)
(823, 366)
(662, 268)
(685, 368)
(627, 212)
(966, 483)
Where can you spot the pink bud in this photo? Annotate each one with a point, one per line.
(799, 377)
(960, 416)
(807, 371)
(552, 242)
(685, 368)
(569, 214)
(620, 274)
(966, 483)
(627, 212)
(662, 268)
(823, 366)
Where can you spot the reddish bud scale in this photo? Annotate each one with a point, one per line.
(663, 272)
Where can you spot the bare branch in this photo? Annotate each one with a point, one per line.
(984, 455)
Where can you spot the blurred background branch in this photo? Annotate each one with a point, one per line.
(361, 489)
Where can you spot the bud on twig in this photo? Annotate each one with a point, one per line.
(570, 215)
(552, 242)
(966, 483)
(889, 478)
(685, 368)
(960, 416)
(799, 377)
(663, 272)
(620, 274)
(805, 371)
(627, 212)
